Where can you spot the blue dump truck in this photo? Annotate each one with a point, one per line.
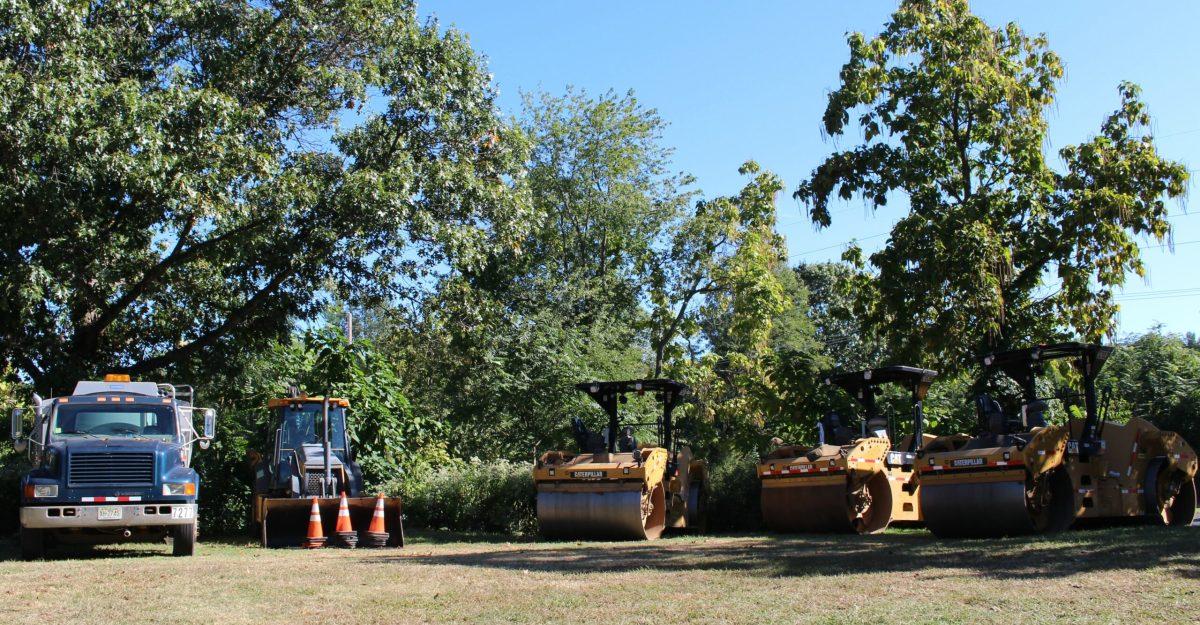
(112, 463)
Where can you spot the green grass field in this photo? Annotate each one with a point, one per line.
(1126, 574)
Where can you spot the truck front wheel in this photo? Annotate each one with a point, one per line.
(183, 539)
(33, 544)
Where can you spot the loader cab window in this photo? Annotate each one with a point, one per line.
(302, 426)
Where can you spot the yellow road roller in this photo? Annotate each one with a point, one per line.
(1021, 475)
(850, 481)
(616, 487)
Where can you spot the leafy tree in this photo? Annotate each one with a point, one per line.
(723, 319)
(496, 350)
(998, 248)
(831, 307)
(721, 260)
(1155, 376)
(599, 177)
(182, 179)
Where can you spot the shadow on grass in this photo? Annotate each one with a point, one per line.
(919, 553)
(10, 550)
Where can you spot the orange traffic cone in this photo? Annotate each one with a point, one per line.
(346, 536)
(377, 534)
(316, 535)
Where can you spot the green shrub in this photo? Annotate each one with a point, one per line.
(496, 496)
(733, 494)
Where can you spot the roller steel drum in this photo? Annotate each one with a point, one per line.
(994, 509)
(806, 509)
(825, 508)
(602, 515)
(976, 510)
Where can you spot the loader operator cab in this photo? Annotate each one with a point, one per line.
(303, 462)
(1000, 429)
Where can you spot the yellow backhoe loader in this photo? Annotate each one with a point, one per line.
(614, 487)
(311, 458)
(1020, 475)
(850, 481)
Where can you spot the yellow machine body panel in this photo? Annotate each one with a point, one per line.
(641, 468)
(1109, 483)
(1112, 482)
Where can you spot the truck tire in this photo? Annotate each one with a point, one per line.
(33, 544)
(183, 539)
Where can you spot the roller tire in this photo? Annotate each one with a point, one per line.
(1181, 507)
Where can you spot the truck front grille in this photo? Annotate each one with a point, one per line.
(102, 468)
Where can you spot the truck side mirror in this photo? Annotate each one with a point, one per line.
(210, 423)
(19, 442)
(210, 427)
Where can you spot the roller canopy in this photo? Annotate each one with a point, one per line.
(608, 394)
(597, 390)
(912, 377)
(1018, 361)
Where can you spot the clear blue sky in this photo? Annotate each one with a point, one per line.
(741, 80)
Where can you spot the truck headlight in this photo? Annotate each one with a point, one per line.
(45, 490)
(187, 488)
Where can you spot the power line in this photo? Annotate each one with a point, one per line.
(881, 234)
(1176, 134)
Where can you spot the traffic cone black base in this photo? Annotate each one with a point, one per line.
(375, 539)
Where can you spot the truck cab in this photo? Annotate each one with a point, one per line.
(112, 463)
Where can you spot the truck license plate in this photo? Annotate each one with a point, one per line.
(181, 512)
(108, 513)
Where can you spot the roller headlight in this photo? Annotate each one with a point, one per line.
(187, 488)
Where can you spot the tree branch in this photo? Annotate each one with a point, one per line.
(86, 336)
(210, 337)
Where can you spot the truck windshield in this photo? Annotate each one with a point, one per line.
(81, 420)
(303, 426)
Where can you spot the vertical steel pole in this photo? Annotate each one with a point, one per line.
(328, 482)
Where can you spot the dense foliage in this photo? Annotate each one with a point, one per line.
(186, 179)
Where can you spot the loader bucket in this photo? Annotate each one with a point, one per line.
(283, 522)
(602, 515)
